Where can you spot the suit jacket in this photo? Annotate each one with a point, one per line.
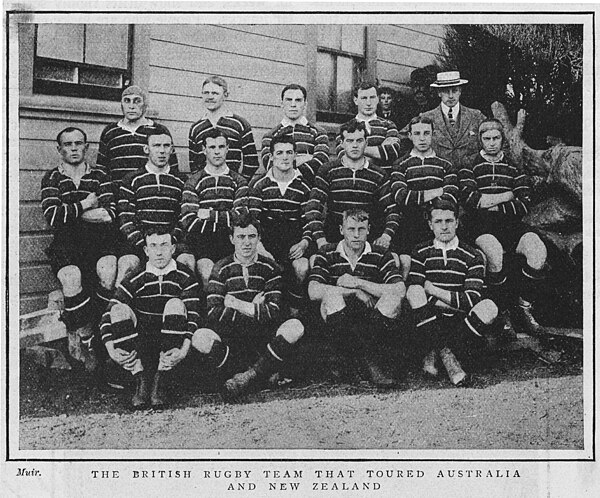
(459, 145)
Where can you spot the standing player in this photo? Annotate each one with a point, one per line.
(415, 182)
(455, 125)
(278, 199)
(383, 145)
(78, 204)
(244, 313)
(311, 142)
(148, 325)
(150, 196)
(121, 147)
(444, 292)
(351, 181)
(208, 197)
(497, 195)
(360, 293)
(241, 157)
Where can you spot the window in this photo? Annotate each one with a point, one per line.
(341, 64)
(82, 60)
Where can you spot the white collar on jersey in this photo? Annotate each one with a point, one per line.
(172, 266)
(226, 114)
(165, 171)
(446, 246)
(364, 166)
(121, 124)
(270, 176)
(416, 154)
(491, 159)
(301, 121)
(240, 262)
(61, 169)
(340, 249)
(223, 173)
(373, 116)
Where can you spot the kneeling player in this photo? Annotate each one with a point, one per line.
(244, 310)
(278, 199)
(148, 326)
(78, 204)
(360, 291)
(497, 194)
(444, 292)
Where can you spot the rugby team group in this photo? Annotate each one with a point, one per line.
(400, 236)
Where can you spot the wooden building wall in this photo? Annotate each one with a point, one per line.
(257, 62)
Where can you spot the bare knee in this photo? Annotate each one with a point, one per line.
(106, 268)
(203, 340)
(390, 303)
(291, 330)
(70, 279)
(188, 261)
(126, 265)
(120, 313)
(416, 297)
(301, 268)
(486, 311)
(333, 301)
(534, 250)
(175, 306)
(405, 261)
(492, 250)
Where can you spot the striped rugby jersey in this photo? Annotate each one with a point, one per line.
(241, 157)
(309, 139)
(61, 198)
(378, 130)
(148, 291)
(121, 151)
(457, 268)
(340, 188)
(267, 202)
(375, 264)
(219, 193)
(244, 282)
(487, 177)
(415, 174)
(147, 199)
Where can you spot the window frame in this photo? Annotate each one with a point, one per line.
(82, 90)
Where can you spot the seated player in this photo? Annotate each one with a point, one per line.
(148, 325)
(121, 146)
(241, 155)
(444, 292)
(245, 322)
(208, 197)
(360, 292)
(419, 178)
(351, 182)
(78, 204)
(311, 142)
(383, 143)
(150, 196)
(497, 196)
(278, 200)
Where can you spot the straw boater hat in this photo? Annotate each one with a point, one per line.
(449, 78)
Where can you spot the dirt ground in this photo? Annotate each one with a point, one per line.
(515, 402)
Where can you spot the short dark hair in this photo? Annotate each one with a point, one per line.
(365, 85)
(442, 202)
(70, 129)
(157, 129)
(386, 89)
(352, 126)
(293, 86)
(281, 139)
(214, 133)
(420, 119)
(241, 217)
(358, 214)
(158, 230)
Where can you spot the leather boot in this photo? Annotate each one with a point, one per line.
(377, 376)
(526, 321)
(90, 358)
(141, 396)
(158, 397)
(241, 382)
(456, 374)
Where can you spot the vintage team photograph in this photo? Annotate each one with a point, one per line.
(335, 233)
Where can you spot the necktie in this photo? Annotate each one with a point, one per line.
(451, 119)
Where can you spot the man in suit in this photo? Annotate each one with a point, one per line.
(455, 126)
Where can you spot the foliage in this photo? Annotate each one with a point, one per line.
(537, 67)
